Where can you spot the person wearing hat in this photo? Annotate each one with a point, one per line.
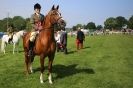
(80, 38)
(36, 21)
(10, 33)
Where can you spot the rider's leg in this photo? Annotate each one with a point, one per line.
(33, 36)
(32, 41)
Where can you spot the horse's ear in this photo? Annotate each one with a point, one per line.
(57, 7)
(53, 7)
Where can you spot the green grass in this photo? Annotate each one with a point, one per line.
(105, 62)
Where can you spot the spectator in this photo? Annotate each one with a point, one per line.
(79, 39)
(63, 40)
(10, 32)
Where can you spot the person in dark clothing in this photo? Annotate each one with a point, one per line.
(63, 40)
(79, 39)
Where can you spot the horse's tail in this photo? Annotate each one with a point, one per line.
(3, 46)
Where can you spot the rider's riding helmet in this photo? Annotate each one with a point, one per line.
(37, 6)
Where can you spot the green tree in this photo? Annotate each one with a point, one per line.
(130, 22)
(110, 23)
(19, 23)
(4, 24)
(91, 26)
(28, 24)
(74, 28)
(121, 22)
(79, 25)
(99, 27)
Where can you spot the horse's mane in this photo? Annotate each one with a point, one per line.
(46, 19)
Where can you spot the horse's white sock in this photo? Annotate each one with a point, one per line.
(50, 78)
(41, 78)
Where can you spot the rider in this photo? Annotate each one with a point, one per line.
(10, 33)
(36, 21)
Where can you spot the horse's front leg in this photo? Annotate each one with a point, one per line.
(51, 58)
(32, 59)
(42, 68)
(3, 46)
(4, 49)
(27, 63)
(13, 48)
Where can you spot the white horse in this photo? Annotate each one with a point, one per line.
(15, 40)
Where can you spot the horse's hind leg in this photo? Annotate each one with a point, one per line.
(51, 58)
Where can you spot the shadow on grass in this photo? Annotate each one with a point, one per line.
(2, 55)
(71, 52)
(11, 51)
(64, 71)
(86, 47)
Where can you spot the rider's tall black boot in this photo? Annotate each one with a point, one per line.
(31, 45)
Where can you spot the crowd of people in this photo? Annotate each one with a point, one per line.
(61, 40)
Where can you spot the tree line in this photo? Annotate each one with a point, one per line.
(118, 23)
(18, 23)
(110, 23)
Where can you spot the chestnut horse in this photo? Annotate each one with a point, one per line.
(45, 45)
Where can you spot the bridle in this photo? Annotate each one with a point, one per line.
(57, 23)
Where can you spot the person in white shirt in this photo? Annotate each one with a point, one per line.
(57, 39)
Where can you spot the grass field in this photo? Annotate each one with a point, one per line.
(105, 62)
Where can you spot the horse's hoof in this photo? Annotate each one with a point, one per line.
(31, 71)
(50, 82)
(41, 82)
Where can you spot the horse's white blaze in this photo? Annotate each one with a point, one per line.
(41, 78)
(50, 78)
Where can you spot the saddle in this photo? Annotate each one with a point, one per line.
(10, 38)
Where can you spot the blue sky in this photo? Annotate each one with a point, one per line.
(73, 11)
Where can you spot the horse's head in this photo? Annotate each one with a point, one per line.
(21, 33)
(54, 18)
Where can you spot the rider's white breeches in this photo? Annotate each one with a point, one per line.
(33, 36)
